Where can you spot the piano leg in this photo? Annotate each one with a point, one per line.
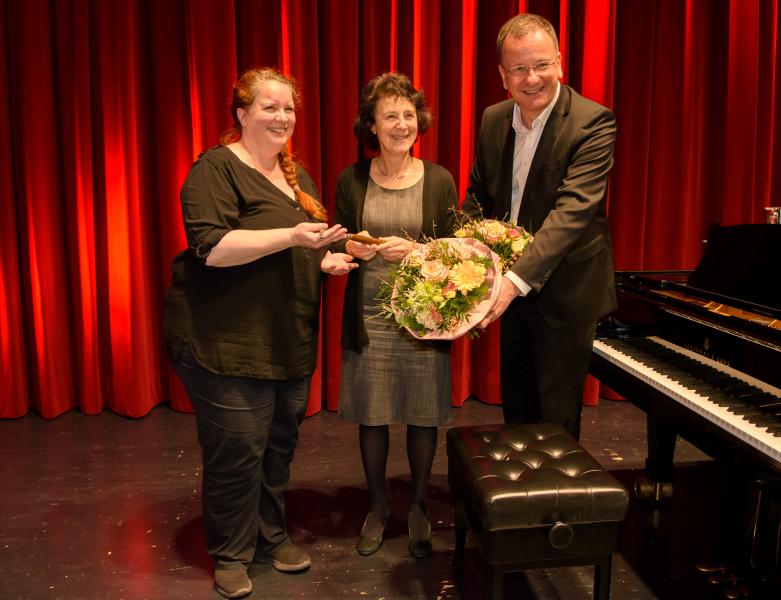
(764, 537)
(658, 483)
(750, 563)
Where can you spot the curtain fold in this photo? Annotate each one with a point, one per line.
(74, 109)
(15, 393)
(40, 216)
(104, 106)
(340, 24)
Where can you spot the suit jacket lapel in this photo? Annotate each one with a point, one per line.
(543, 155)
(504, 189)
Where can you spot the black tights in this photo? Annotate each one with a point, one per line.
(421, 447)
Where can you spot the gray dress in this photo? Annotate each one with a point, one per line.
(396, 379)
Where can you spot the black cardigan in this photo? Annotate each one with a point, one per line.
(440, 201)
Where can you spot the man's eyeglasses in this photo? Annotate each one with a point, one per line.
(521, 71)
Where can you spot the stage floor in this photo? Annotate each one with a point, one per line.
(108, 507)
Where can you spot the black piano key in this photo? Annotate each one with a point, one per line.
(724, 401)
(767, 398)
(746, 412)
(769, 421)
(773, 413)
(763, 402)
(741, 390)
(752, 404)
(766, 422)
(775, 430)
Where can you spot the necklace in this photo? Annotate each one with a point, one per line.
(398, 176)
(255, 165)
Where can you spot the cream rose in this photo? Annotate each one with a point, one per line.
(519, 244)
(433, 270)
(465, 231)
(463, 251)
(493, 231)
(414, 258)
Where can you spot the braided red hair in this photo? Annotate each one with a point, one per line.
(311, 205)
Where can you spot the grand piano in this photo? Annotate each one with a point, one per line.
(700, 352)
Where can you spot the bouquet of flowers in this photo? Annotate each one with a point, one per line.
(507, 240)
(442, 289)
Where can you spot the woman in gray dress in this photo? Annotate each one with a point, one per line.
(387, 375)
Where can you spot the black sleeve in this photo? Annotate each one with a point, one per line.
(446, 222)
(210, 207)
(342, 208)
(478, 201)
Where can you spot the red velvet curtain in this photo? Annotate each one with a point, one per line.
(104, 106)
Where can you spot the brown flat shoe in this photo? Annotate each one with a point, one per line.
(289, 558)
(370, 539)
(232, 583)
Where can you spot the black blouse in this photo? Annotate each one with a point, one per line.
(256, 320)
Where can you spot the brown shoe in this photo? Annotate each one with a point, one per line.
(289, 558)
(232, 583)
(370, 539)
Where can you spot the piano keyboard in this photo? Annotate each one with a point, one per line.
(748, 408)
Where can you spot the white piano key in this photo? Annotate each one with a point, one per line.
(755, 436)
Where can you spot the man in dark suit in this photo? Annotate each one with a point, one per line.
(543, 159)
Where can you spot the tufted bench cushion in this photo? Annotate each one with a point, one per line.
(522, 475)
(533, 497)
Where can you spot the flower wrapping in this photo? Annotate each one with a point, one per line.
(442, 289)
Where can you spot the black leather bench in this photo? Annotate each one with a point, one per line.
(533, 498)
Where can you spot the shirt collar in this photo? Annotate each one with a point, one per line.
(540, 120)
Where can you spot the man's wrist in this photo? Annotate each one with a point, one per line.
(520, 285)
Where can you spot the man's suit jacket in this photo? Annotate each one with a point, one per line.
(570, 263)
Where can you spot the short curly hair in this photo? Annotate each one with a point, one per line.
(388, 85)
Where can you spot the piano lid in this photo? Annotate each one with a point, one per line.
(743, 262)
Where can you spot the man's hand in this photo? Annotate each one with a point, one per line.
(507, 293)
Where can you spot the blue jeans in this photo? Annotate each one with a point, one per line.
(248, 430)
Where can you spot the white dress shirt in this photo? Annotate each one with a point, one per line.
(526, 142)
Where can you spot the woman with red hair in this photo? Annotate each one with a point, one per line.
(241, 323)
